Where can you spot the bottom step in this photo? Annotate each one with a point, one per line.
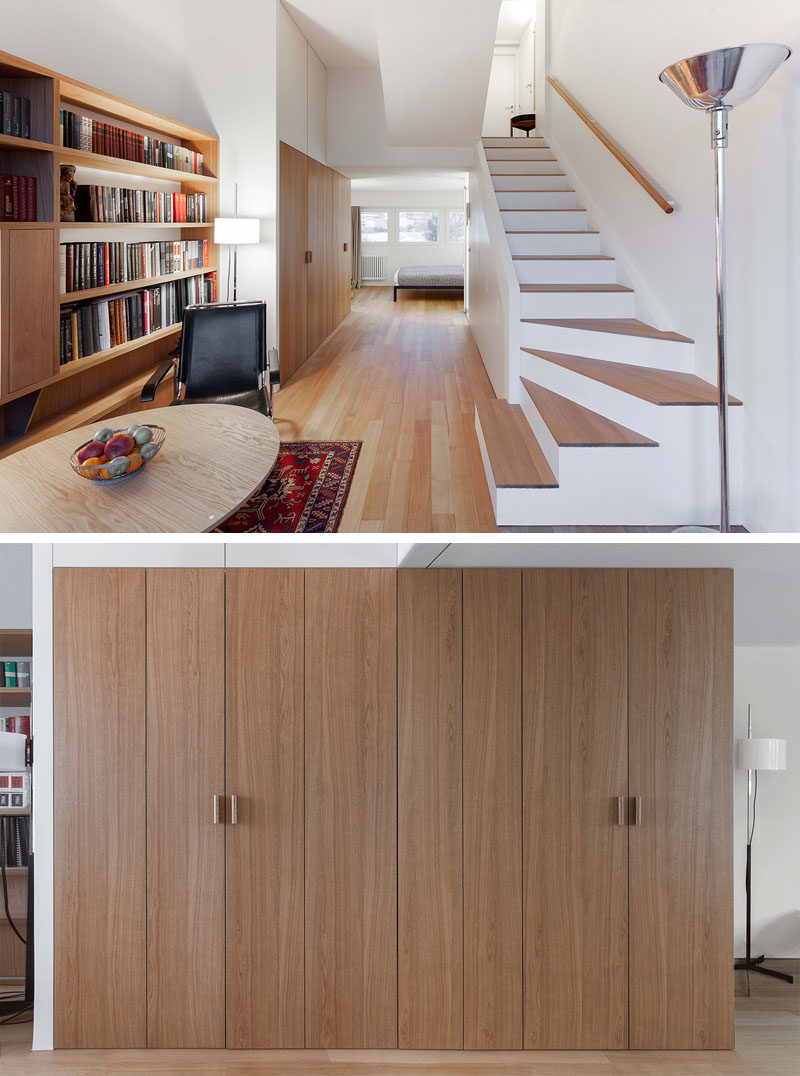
(511, 451)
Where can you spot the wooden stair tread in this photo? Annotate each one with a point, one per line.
(517, 174)
(575, 287)
(554, 209)
(539, 190)
(515, 456)
(623, 326)
(666, 388)
(548, 231)
(575, 426)
(562, 258)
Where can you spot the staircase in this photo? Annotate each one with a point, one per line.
(613, 427)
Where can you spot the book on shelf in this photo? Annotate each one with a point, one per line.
(97, 265)
(20, 723)
(109, 140)
(16, 115)
(14, 831)
(15, 673)
(10, 674)
(19, 199)
(124, 205)
(90, 327)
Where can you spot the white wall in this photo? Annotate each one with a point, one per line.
(302, 91)
(608, 56)
(15, 585)
(399, 254)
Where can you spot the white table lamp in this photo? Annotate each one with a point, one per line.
(235, 231)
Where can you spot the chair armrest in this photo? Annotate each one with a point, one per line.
(150, 386)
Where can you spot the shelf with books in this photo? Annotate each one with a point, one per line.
(132, 168)
(133, 285)
(11, 142)
(78, 365)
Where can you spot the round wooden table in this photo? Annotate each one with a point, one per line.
(214, 457)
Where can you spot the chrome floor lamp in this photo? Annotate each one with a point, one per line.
(716, 82)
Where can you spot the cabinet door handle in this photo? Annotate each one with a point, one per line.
(216, 810)
(234, 810)
(620, 810)
(637, 810)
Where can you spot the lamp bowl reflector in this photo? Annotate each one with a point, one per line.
(234, 231)
(761, 753)
(726, 77)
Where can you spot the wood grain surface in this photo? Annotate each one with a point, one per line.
(430, 877)
(99, 838)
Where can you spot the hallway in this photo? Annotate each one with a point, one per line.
(403, 378)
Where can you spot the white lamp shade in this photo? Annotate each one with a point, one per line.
(761, 753)
(233, 231)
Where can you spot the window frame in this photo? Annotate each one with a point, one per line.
(419, 242)
(455, 209)
(389, 226)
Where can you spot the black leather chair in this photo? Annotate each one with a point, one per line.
(222, 358)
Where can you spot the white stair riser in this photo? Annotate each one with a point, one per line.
(566, 272)
(555, 220)
(537, 200)
(499, 143)
(525, 182)
(556, 243)
(534, 168)
(519, 153)
(577, 304)
(615, 347)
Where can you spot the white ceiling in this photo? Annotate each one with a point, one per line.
(366, 179)
(514, 17)
(341, 32)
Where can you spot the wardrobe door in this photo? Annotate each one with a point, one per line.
(185, 771)
(344, 247)
(318, 270)
(430, 880)
(351, 817)
(264, 779)
(492, 811)
(293, 280)
(575, 685)
(99, 808)
(681, 914)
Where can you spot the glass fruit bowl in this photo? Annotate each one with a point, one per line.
(130, 449)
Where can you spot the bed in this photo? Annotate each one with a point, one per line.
(414, 277)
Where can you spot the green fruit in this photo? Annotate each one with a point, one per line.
(148, 451)
(104, 435)
(142, 434)
(131, 430)
(118, 466)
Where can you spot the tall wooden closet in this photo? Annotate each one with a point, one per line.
(314, 260)
(346, 808)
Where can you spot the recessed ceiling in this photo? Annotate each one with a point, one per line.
(514, 17)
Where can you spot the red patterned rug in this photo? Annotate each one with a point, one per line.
(306, 491)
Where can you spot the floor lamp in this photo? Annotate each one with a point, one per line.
(754, 754)
(231, 231)
(716, 82)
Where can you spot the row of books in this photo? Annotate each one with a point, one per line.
(18, 723)
(96, 265)
(87, 328)
(19, 198)
(123, 205)
(15, 674)
(96, 136)
(16, 113)
(13, 840)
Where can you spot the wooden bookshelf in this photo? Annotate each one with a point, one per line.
(33, 387)
(16, 642)
(15, 696)
(133, 285)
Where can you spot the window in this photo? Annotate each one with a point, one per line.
(374, 226)
(456, 223)
(418, 226)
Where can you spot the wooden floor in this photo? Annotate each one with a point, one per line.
(403, 378)
(767, 1044)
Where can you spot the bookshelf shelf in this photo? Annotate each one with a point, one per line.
(15, 696)
(16, 642)
(131, 168)
(10, 142)
(133, 285)
(120, 349)
(138, 224)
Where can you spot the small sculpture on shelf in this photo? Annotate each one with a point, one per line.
(68, 188)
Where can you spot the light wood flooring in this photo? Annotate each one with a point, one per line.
(767, 1044)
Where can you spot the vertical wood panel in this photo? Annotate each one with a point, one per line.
(293, 275)
(185, 769)
(681, 702)
(575, 767)
(99, 808)
(264, 770)
(492, 811)
(351, 817)
(28, 337)
(430, 880)
(317, 211)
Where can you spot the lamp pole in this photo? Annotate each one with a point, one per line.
(719, 143)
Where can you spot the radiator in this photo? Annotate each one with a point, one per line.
(373, 266)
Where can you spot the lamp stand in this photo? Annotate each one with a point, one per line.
(235, 245)
(751, 963)
(719, 142)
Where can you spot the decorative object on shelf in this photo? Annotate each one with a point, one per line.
(68, 189)
(233, 231)
(117, 454)
(754, 754)
(716, 82)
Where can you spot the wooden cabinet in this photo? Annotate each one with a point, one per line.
(487, 809)
(314, 244)
(351, 809)
(681, 906)
(28, 344)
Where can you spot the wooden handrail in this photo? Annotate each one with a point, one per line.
(657, 195)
